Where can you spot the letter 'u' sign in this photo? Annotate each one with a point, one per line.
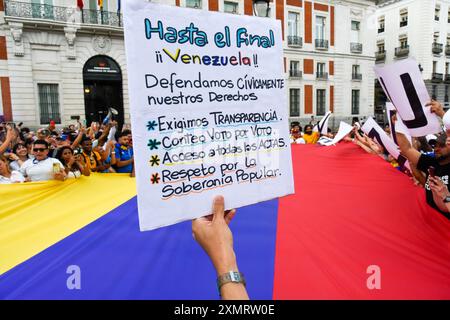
(403, 84)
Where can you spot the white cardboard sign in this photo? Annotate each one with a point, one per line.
(374, 131)
(403, 84)
(208, 110)
(398, 126)
(344, 129)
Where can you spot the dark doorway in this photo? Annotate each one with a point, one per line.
(102, 79)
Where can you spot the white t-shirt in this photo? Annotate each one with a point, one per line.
(39, 170)
(15, 164)
(16, 176)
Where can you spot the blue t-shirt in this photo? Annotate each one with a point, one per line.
(124, 154)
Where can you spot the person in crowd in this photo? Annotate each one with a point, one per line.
(438, 166)
(52, 128)
(296, 133)
(6, 175)
(42, 167)
(73, 164)
(9, 138)
(215, 237)
(18, 156)
(310, 136)
(441, 193)
(92, 158)
(123, 154)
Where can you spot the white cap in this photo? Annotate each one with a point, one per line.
(446, 120)
(431, 137)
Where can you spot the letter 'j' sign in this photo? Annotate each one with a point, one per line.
(403, 85)
(208, 110)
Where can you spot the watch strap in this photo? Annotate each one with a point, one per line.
(231, 276)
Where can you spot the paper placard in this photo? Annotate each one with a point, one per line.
(374, 131)
(208, 110)
(403, 84)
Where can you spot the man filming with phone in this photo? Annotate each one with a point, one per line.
(42, 167)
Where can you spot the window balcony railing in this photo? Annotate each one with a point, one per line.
(355, 47)
(322, 44)
(295, 73)
(322, 75)
(357, 76)
(62, 14)
(402, 51)
(437, 48)
(447, 78)
(380, 56)
(380, 30)
(437, 77)
(446, 98)
(403, 23)
(295, 41)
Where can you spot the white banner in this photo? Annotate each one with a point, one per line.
(208, 110)
(403, 84)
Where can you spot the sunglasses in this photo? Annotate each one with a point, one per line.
(39, 149)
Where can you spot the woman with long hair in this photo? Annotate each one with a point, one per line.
(73, 164)
(6, 175)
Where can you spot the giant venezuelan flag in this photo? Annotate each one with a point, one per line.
(351, 210)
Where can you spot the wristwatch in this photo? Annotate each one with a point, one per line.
(231, 276)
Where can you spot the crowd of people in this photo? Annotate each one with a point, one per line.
(428, 157)
(68, 153)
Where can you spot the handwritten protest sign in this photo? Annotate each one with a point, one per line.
(374, 131)
(208, 110)
(403, 84)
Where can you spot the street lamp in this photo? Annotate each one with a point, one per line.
(261, 8)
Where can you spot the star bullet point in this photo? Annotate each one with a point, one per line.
(153, 144)
(151, 125)
(155, 178)
(154, 161)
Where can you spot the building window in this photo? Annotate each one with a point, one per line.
(437, 12)
(197, 4)
(434, 66)
(403, 43)
(230, 7)
(320, 28)
(355, 31)
(294, 29)
(356, 74)
(448, 17)
(380, 47)
(294, 69)
(403, 18)
(320, 102)
(294, 102)
(355, 101)
(434, 92)
(447, 65)
(49, 103)
(381, 24)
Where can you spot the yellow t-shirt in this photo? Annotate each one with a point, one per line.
(311, 138)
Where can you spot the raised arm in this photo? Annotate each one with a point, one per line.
(215, 237)
(407, 150)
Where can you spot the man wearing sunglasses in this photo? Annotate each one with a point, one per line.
(42, 167)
